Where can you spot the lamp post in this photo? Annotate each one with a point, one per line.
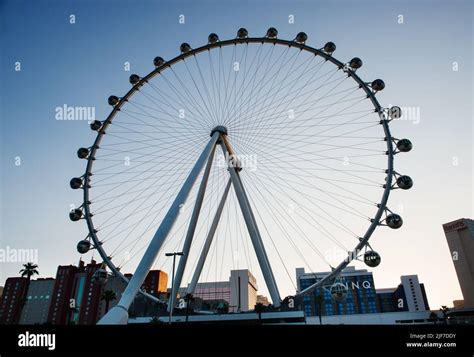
(171, 299)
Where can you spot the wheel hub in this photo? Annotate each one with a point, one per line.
(220, 128)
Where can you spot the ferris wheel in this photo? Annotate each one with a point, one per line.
(252, 152)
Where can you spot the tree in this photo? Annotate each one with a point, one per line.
(222, 308)
(108, 296)
(29, 269)
(259, 307)
(433, 317)
(319, 299)
(188, 298)
(444, 310)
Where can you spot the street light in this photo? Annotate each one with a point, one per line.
(171, 299)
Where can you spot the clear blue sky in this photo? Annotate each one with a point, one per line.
(81, 64)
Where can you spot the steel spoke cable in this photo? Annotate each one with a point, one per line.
(226, 82)
(283, 114)
(210, 210)
(352, 211)
(311, 107)
(239, 91)
(263, 97)
(140, 164)
(185, 100)
(251, 105)
(269, 93)
(280, 99)
(178, 167)
(295, 246)
(212, 105)
(202, 110)
(295, 82)
(182, 123)
(332, 220)
(159, 98)
(272, 240)
(213, 83)
(157, 107)
(147, 228)
(282, 153)
(163, 94)
(278, 89)
(148, 115)
(204, 102)
(173, 159)
(120, 221)
(322, 85)
(257, 132)
(149, 225)
(169, 138)
(235, 76)
(300, 145)
(254, 76)
(284, 217)
(306, 183)
(275, 163)
(259, 90)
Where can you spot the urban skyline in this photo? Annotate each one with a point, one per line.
(222, 290)
(48, 300)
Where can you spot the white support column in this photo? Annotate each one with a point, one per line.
(251, 223)
(209, 238)
(190, 233)
(118, 315)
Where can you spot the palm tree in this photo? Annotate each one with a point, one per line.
(444, 310)
(29, 269)
(259, 307)
(433, 317)
(319, 301)
(108, 296)
(188, 298)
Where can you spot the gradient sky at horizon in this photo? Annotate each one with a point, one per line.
(81, 64)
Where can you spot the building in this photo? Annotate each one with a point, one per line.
(213, 291)
(415, 295)
(117, 285)
(87, 294)
(75, 296)
(410, 295)
(38, 301)
(361, 296)
(387, 299)
(155, 282)
(460, 237)
(239, 293)
(12, 300)
(61, 305)
(261, 299)
(458, 304)
(209, 296)
(243, 290)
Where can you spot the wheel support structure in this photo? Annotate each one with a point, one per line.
(119, 314)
